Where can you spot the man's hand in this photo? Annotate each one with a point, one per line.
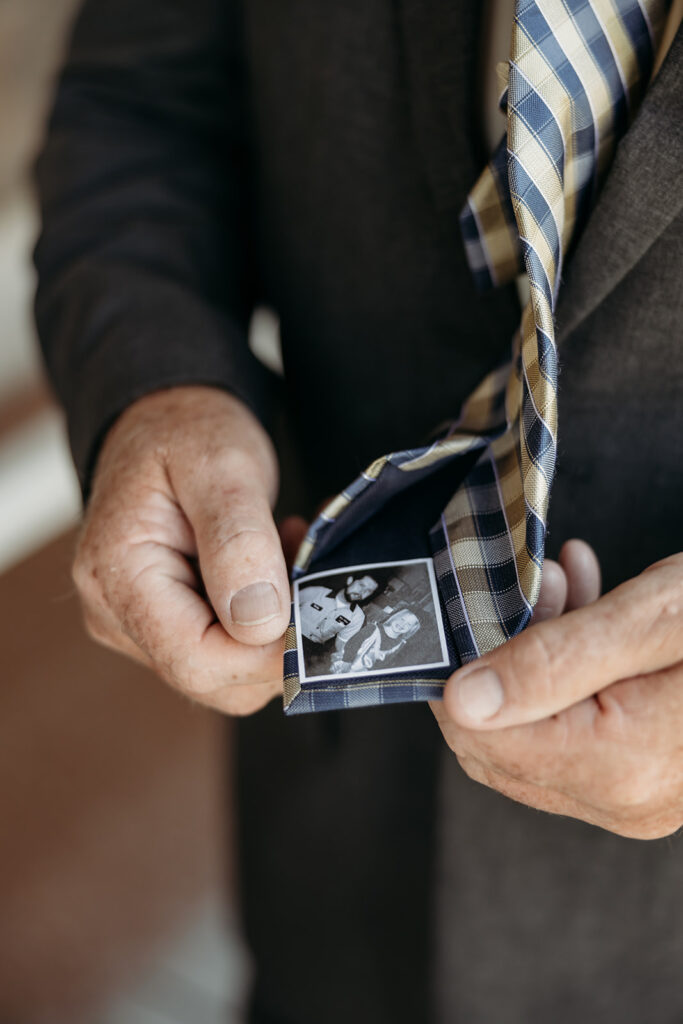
(179, 563)
(582, 715)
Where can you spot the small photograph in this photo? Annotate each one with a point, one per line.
(369, 620)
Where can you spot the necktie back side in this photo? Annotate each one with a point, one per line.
(578, 70)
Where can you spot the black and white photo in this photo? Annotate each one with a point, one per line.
(369, 619)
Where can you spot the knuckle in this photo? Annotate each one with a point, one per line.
(93, 569)
(670, 616)
(248, 544)
(234, 471)
(249, 550)
(87, 579)
(84, 574)
(666, 598)
(239, 526)
(233, 463)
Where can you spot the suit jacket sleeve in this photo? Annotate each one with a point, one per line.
(145, 276)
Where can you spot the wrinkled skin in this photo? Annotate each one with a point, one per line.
(179, 521)
(590, 722)
(186, 478)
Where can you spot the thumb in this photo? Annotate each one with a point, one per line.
(240, 553)
(582, 569)
(555, 664)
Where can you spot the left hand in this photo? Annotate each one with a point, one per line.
(582, 714)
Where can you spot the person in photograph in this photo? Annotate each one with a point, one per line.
(327, 615)
(377, 644)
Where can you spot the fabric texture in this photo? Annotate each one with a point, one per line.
(577, 74)
(377, 882)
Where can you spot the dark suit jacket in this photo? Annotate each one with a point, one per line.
(202, 158)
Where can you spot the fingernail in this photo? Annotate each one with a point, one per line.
(255, 604)
(480, 694)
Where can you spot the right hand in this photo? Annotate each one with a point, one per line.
(179, 563)
(572, 582)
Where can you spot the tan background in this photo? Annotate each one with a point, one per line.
(114, 874)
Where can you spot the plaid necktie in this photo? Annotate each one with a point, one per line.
(577, 73)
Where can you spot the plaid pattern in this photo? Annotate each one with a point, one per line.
(327, 695)
(577, 72)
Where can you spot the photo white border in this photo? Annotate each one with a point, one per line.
(350, 570)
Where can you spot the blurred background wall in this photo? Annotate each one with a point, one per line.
(115, 874)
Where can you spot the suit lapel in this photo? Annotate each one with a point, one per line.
(642, 195)
(644, 188)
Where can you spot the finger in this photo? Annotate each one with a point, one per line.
(227, 698)
(556, 752)
(553, 594)
(553, 801)
(103, 630)
(240, 553)
(161, 612)
(625, 819)
(540, 798)
(635, 629)
(582, 569)
(292, 531)
(612, 760)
